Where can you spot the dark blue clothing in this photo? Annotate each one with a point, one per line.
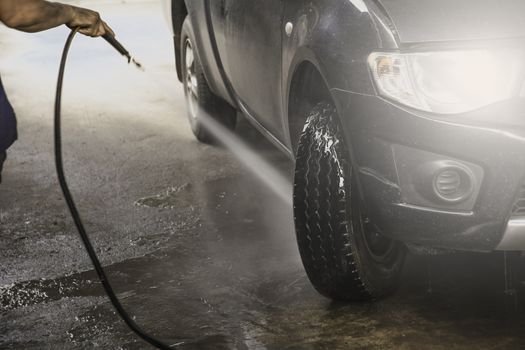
(8, 132)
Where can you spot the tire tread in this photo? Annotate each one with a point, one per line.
(323, 228)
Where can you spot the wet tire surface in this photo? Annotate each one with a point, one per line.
(328, 219)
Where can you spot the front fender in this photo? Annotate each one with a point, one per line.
(339, 34)
(336, 36)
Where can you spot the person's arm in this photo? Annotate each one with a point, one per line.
(37, 15)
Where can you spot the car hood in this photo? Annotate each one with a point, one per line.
(451, 20)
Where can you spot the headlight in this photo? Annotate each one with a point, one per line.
(447, 81)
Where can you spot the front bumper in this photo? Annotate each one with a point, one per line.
(514, 235)
(390, 144)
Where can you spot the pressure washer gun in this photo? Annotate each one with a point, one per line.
(122, 50)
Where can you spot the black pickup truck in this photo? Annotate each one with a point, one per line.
(405, 120)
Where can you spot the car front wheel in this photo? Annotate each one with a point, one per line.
(343, 252)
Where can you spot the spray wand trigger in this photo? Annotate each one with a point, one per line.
(122, 50)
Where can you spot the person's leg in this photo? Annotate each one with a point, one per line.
(3, 156)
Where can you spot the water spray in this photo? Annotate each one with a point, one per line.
(275, 181)
(71, 204)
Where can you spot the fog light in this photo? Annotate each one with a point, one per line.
(447, 183)
(434, 181)
(453, 184)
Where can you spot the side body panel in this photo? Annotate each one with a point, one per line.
(248, 34)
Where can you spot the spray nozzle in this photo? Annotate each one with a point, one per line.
(122, 50)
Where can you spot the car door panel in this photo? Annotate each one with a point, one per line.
(249, 38)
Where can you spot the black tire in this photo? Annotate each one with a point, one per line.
(200, 100)
(344, 255)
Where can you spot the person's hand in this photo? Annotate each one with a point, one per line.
(88, 22)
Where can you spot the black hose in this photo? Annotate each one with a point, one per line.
(76, 216)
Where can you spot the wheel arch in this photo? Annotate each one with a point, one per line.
(306, 87)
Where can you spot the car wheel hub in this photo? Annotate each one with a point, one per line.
(378, 246)
(190, 82)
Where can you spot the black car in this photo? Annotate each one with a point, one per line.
(405, 119)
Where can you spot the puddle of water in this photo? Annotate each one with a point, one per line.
(29, 293)
(167, 200)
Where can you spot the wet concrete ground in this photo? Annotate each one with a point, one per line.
(200, 251)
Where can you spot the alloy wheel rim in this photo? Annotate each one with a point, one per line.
(190, 81)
